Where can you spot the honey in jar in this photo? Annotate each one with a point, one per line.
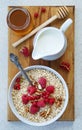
(19, 20)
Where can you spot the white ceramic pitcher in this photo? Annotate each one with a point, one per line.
(50, 43)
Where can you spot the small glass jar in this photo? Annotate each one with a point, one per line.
(19, 20)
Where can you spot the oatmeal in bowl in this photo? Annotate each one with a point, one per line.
(43, 102)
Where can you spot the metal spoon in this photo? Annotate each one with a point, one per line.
(15, 60)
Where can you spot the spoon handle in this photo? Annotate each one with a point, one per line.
(14, 59)
(24, 73)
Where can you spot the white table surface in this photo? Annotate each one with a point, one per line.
(4, 124)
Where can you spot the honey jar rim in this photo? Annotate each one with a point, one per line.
(18, 28)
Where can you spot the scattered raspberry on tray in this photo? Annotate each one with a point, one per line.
(24, 50)
(36, 15)
(65, 66)
(43, 10)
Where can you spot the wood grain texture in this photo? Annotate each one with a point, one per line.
(68, 56)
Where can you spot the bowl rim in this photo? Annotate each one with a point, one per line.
(26, 120)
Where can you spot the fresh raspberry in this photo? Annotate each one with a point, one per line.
(46, 100)
(43, 10)
(31, 89)
(41, 103)
(51, 100)
(42, 82)
(31, 97)
(34, 103)
(25, 99)
(65, 63)
(36, 15)
(18, 80)
(34, 109)
(37, 97)
(65, 66)
(25, 51)
(45, 94)
(50, 89)
(17, 86)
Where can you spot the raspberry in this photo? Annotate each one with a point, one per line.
(37, 97)
(34, 103)
(25, 51)
(51, 100)
(45, 94)
(25, 99)
(66, 63)
(17, 86)
(42, 82)
(46, 100)
(43, 10)
(18, 80)
(31, 89)
(36, 15)
(34, 109)
(31, 97)
(65, 66)
(50, 89)
(41, 103)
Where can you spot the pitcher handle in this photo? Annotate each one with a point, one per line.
(66, 24)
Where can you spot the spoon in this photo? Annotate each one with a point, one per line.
(15, 60)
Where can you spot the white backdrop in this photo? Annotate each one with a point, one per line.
(4, 124)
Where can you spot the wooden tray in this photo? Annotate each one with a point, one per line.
(68, 56)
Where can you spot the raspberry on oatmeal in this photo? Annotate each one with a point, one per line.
(39, 105)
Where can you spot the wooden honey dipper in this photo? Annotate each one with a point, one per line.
(61, 13)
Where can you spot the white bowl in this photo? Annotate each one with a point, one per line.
(26, 120)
